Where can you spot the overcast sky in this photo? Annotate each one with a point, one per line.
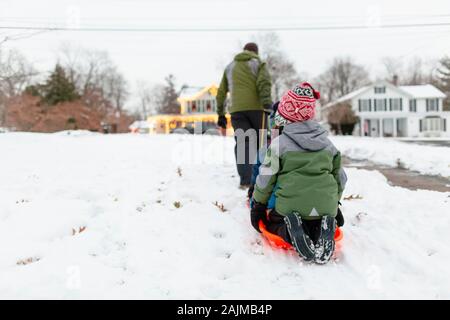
(197, 58)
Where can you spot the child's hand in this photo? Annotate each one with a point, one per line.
(257, 213)
(222, 122)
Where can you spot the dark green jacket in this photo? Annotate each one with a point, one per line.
(307, 169)
(248, 82)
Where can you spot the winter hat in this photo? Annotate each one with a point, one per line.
(299, 103)
(279, 121)
(275, 119)
(251, 46)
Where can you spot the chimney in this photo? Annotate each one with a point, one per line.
(395, 80)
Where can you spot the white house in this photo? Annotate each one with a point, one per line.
(386, 110)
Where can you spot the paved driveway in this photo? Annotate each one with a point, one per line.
(441, 143)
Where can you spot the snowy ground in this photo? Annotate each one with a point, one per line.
(432, 160)
(93, 216)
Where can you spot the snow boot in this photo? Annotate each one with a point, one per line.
(300, 240)
(325, 245)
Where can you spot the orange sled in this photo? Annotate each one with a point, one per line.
(278, 242)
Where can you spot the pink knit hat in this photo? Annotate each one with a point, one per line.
(299, 103)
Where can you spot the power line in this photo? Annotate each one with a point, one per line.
(21, 36)
(230, 29)
(265, 18)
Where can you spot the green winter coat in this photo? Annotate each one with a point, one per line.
(307, 169)
(248, 82)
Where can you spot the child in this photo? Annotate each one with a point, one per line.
(305, 169)
(272, 132)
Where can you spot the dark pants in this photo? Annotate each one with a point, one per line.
(276, 225)
(247, 146)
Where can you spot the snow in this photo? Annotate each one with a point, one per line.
(432, 160)
(75, 133)
(188, 92)
(423, 91)
(137, 244)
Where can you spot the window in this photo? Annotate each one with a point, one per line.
(380, 104)
(432, 124)
(364, 105)
(208, 106)
(380, 90)
(432, 105)
(194, 106)
(413, 105)
(395, 104)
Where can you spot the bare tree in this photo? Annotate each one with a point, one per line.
(393, 68)
(341, 77)
(421, 71)
(282, 70)
(145, 95)
(94, 72)
(151, 99)
(416, 71)
(70, 58)
(15, 74)
(157, 93)
(116, 89)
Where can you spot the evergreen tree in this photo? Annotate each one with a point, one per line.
(58, 88)
(33, 90)
(444, 80)
(169, 102)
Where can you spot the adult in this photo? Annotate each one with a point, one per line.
(247, 80)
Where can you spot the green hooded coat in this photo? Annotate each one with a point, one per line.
(248, 82)
(307, 170)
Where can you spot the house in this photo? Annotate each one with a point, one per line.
(198, 100)
(197, 105)
(386, 110)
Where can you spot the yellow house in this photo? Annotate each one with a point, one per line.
(196, 105)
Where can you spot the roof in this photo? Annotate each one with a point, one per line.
(417, 92)
(423, 91)
(193, 93)
(188, 92)
(347, 97)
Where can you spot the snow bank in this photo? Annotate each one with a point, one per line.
(97, 217)
(433, 160)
